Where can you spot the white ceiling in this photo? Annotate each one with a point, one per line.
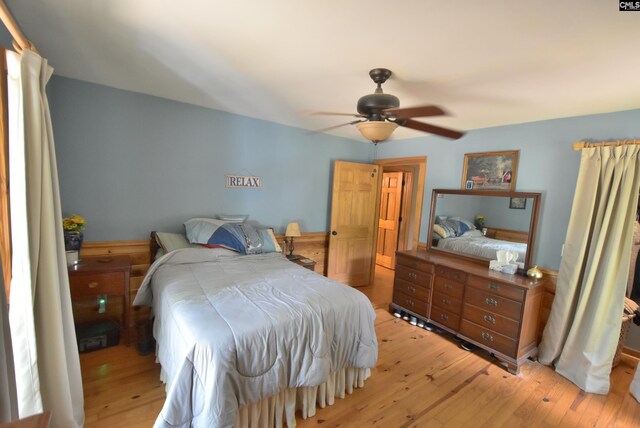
(488, 63)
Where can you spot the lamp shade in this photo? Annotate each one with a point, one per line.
(376, 130)
(293, 229)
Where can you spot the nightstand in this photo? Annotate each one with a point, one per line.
(97, 275)
(304, 262)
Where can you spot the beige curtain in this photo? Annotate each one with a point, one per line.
(582, 333)
(635, 385)
(8, 398)
(46, 357)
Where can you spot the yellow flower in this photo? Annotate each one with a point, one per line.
(75, 222)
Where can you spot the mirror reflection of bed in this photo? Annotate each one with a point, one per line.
(476, 224)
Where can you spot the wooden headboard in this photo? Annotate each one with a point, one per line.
(153, 246)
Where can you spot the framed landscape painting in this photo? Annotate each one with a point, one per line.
(490, 171)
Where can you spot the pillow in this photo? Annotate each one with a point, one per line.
(199, 230)
(474, 232)
(239, 237)
(233, 218)
(440, 218)
(469, 224)
(269, 242)
(444, 233)
(172, 241)
(457, 227)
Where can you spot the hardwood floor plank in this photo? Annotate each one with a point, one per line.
(422, 379)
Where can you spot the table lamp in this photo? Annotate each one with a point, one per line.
(293, 229)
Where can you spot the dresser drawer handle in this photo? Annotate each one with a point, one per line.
(412, 275)
(448, 286)
(410, 303)
(490, 319)
(411, 290)
(444, 317)
(93, 284)
(487, 337)
(491, 302)
(493, 286)
(446, 301)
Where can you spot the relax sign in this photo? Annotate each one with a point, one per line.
(246, 181)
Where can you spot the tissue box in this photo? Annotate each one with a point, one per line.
(510, 268)
(495, 265)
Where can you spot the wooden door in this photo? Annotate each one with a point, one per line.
(353, 222)
(389, 218)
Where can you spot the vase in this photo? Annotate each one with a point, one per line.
(72, 240)
(534, 272)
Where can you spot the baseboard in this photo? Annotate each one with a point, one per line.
(630, 352)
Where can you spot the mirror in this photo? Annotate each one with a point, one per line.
(475, 224)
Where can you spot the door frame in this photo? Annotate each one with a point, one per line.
(418, 166)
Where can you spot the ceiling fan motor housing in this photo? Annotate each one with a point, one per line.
(372, 105)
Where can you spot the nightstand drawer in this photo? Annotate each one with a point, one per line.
(92, 284)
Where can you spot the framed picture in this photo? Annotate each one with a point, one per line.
(490, 171)
(517, 203)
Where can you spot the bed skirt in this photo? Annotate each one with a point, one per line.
(280, 410)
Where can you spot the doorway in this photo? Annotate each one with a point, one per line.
(400, 210)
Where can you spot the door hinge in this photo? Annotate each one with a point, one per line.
(400, 218)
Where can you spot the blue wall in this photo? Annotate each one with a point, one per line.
(131, 163)
(547, 164)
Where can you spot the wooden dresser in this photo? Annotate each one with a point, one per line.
(495, 311)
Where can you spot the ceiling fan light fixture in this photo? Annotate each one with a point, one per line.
(376, 131)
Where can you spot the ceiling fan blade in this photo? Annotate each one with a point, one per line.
(334, 127)
(432, 129)
(420, 111)
(330, 113)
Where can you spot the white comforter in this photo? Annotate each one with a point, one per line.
(232, 330)
(482, 246)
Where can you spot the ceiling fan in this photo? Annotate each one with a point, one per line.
(379, 114)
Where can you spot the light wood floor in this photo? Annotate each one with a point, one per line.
(423, 379)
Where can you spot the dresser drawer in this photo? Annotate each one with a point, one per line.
(452, 274)
(489, 338)
(412, 290)
(447, 302)
(493, 303)
(414, 276)
(491, 320)
(498, 288)
(413, 263)
(410, 303)
(449, 287)
(92, 284)
(445, 317)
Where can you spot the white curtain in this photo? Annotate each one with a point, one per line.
(583, 330)
(46, 357)
(8, 398)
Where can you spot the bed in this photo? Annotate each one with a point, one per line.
(476, 244)
(246, 340)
